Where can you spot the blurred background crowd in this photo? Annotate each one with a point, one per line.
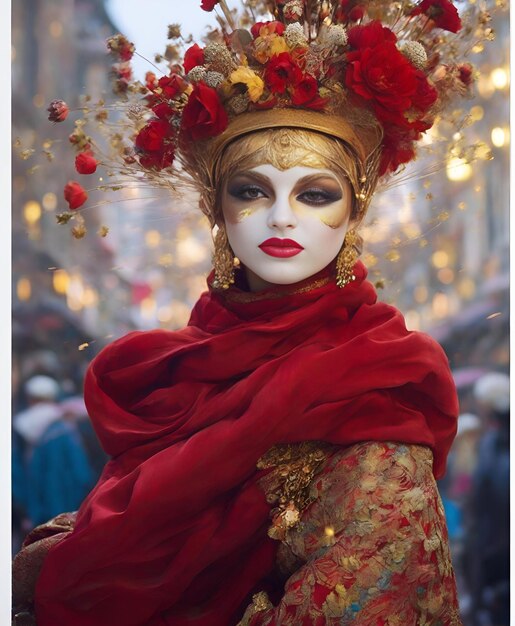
(436, 247)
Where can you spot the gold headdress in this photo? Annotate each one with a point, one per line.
(373, 74)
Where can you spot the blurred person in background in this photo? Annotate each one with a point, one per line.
(487, 541)
(39, 395)
(59, 470)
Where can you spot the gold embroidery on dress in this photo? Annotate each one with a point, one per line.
(260, 602)
(288, 485)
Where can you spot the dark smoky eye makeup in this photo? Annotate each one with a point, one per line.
(246, 191)
(319, 195)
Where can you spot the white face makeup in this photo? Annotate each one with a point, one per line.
(285, 226)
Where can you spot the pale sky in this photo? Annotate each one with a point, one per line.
(145, 23)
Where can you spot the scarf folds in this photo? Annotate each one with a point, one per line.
(174, 533)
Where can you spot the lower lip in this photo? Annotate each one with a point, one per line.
(280, 252)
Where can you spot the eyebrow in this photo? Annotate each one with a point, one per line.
(305, 179)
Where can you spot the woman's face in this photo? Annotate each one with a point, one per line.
(285, 225)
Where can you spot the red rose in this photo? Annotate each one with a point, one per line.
(281, 72)
(163, 111)
(442, 12)
(370, 35)
(172, 85)
(151, 137)
(58, 111)
(158, 160)
(272, 27)
(204, 115)
(74, 195)
(85, 163)
(208, 5)
(426, 95)
(192, 57)
(398, 147)
(384, 77)
(305, 90)
(356, 14)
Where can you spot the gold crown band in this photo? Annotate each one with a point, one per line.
(333, 125)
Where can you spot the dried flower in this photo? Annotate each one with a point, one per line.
(103, 231)
(75, 195)
(335, 35)
(58, 111)
(293, 10)
(121, 47)
(238, 104)
(63, 218)
(174, 31)
(415, 53)
(295, 36)
(214, 79)
(218, 58)
(196, 74)
(79, 231)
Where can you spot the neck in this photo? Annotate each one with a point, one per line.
(255, 282)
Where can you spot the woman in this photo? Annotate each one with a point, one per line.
(275, 461)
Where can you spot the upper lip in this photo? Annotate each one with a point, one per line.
(281, 243)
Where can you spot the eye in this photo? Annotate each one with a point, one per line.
(319, 197)
(248, 192)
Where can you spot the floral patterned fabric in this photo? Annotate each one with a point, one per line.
(370, 550)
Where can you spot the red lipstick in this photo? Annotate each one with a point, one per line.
(282, 248)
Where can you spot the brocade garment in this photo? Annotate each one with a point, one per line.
(371, 548)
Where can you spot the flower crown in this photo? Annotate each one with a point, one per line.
(397, 65)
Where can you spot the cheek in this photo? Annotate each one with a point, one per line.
(335, 216)
(235, 212)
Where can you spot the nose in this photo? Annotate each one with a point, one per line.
(281, 215)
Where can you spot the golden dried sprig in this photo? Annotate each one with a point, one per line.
(79, 231)
(64, 218)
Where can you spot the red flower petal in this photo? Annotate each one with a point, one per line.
(75, 195)
(58, 111)
(204, 115)
(193, 56)
(85, 163)
(442, 12)
(208, 5)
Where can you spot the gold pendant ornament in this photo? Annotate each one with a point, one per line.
(224, 260)
(346, 259)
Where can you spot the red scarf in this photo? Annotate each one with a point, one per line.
(175, 531)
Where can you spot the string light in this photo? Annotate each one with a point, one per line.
(49, 201)
(152, 238)
(458, 169)
(499, 78)
(440, 259)
(500, 136)
(61, 281)
(23, 289)
(32, 212)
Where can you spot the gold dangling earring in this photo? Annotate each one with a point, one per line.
(224, 260)
(346, 259)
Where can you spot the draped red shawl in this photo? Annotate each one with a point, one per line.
(174, 533)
